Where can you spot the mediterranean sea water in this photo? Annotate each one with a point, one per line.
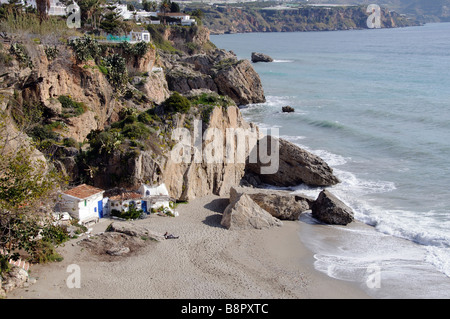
(375, 105)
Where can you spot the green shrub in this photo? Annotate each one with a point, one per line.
(132, 213)
(21, 53)
(70, 108)
(137, 50)
(85, 48)
(45, 252)
(43, 132)
(51, 52)
(104, 141)
(136, 131)
(4, 264)
(145, 118)
(117, 71)
(70, 142)
(177, 103)
(54, 234)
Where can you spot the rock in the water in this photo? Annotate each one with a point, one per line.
(288, 109)
(329, 209)
(260, 57)
(240, 82)
(244, 213)
(295, 166)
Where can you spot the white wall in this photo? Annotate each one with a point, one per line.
(83, 210)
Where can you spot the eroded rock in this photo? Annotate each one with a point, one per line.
(244, 213)
(331, 210)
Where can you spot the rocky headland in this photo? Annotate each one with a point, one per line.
(273, 17)
(124, 138)
(108, 115)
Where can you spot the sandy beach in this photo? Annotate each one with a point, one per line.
(206, 261)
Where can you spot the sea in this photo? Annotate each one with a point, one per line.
(375, 105)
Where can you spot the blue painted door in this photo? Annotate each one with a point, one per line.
(100, 208)
(144, 206)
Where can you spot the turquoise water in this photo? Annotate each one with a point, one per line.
(375, 104)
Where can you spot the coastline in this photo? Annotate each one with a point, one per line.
(206, 262)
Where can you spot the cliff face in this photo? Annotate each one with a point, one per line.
(252, 18)
(218, 71)
(96, 134)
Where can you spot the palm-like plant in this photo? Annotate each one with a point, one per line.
(165, 7)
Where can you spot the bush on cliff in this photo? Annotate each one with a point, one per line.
(85, 48)
(177, 103)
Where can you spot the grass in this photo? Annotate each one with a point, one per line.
(29, 23)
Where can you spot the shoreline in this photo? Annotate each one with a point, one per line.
(206, 262)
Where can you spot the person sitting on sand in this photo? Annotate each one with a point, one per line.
(169, 236)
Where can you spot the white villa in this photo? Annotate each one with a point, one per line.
(184, 19)
(138, 15)
(83, 202)
(56, 7)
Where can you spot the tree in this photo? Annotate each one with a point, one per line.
(42, 7)
(198, 13)
(165, 7)
(111, 22)
(91, 10)
(149, 6)
(27, 185)
(174, 7)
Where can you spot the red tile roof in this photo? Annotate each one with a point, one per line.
(126, 196)
(83, 191)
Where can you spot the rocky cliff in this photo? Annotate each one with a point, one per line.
(270, 17)
(113, 127)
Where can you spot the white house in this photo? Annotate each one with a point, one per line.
(83, 202)
(126, 14)
(56, 8)
(124, 201)
(156, 197)
(139, 36)
(184, 19)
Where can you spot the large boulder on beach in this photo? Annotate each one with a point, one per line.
(331, 210)
(278, 203)
(284, 207)
(244, 213)
(295, 166)
(134, 230)
(260, 57)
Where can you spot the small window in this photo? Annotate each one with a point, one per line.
(85, 202)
